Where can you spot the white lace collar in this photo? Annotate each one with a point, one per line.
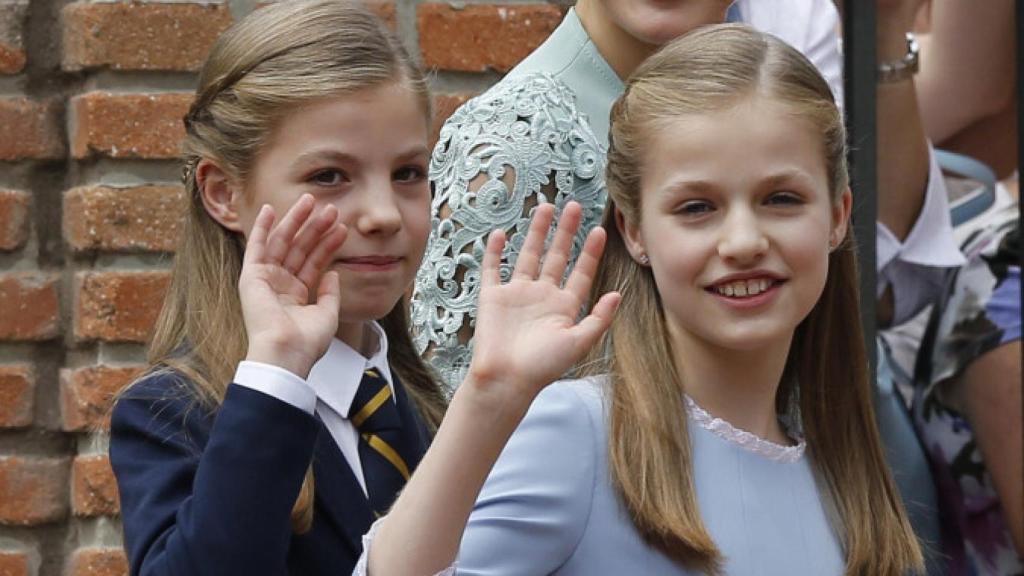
(744, 439)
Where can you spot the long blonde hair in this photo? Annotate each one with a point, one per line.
(277, 58)
(826, 375)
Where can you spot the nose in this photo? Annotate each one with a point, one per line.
(379, 213)
(742, 239)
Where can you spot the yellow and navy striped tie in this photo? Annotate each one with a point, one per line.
(383, 444)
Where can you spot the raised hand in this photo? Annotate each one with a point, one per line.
(528, 331)
(289, 303)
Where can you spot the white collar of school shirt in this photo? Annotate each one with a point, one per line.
(335, 377)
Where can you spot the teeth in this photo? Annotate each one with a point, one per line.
(744, 288)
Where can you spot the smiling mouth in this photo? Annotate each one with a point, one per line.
(369, 263)
(744, 288)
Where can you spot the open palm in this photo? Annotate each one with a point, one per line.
(528, 330)
(289, 304)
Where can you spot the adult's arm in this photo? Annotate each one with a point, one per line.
(992, 388)
(902, 146)
(967, 64)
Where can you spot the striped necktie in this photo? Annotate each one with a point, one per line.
(382, 444)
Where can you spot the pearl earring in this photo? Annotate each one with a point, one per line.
(644, 259)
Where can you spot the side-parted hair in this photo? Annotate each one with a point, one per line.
(826, 374)
(278, 58)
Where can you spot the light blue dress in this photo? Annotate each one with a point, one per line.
(549, 507)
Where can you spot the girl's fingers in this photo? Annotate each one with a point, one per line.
(323, 254)
(309, 236)
(528, 262)
(282, 236)
(256, 245)
(557, 255)
(490, 271)
(585, 270)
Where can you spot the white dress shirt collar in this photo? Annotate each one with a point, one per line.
(335, 377)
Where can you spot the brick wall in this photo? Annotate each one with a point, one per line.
(91, 96)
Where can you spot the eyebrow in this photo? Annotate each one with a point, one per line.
(333, 154)
(700, 186)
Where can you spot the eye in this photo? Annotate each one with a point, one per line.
(784, 198)
(411, 173)
(328, 177)
(695, 208)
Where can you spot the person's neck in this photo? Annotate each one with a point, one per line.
(622, 51)
(738, 386)
(359, 336)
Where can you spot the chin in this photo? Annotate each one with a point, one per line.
(353, 312)
(659, 25)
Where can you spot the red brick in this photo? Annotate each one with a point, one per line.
(137, 36)
(481, 36)
(31, 129)
(93, 488)
(17, 391)
(143, 218)
(86, 395)
(32, 490)
(444, 106)
(98, 562)
(13, 219)
(12, 44)
(118, 306)
(387, 11)
(30, 306)
(128, 125)
(14, 564)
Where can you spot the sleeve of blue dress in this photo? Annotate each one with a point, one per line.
(203, 494)
(536, 502)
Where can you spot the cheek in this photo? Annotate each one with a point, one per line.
(416, 219)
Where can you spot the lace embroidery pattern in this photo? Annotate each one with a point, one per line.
(742, 438)
(498, 156)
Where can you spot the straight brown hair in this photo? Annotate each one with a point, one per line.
(276, 59)
(826, 374)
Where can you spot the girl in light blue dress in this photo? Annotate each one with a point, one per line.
(723, 423)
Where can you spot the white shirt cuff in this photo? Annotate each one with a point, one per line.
(277, 382)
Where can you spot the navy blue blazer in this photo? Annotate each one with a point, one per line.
(212, 493)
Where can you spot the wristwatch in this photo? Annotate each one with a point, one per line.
(904, 68)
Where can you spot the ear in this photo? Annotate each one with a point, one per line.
(221, 197)
(631, 236)
(841, 209)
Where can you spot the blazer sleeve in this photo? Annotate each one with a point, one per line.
(203, 494)
(535, 504)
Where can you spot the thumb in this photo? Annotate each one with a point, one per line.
(590, 329)
(328, 293)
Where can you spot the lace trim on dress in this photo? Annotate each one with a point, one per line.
(744, 439)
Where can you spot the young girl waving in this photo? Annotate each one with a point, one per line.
(269, 446)
(726, 424)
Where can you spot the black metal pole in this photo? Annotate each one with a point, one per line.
(860, 64)
(1019, 14)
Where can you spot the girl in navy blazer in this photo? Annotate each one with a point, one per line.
(284, 405)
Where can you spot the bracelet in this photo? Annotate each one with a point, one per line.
(904, 68)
